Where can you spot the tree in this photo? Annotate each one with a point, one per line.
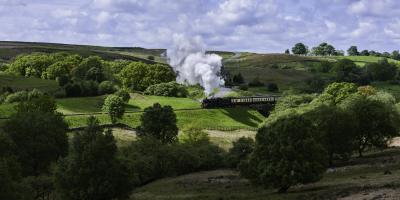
(324, 49)
(92, 170)
(335, 93)
(364, 53)
(375, 117)
(396, 55)
(106, 87)
(10, 171)
(382, 70)
(240, 151)
(300, 49)
(58, 69)
(347, 71)
(335, 129)
(139, 76)
(123, 94)
(159, 122)
(31, 65)
(115, 107)
(92, 63)
(39, 134)
(287, 153)
(238, 79)
(287, 51)
(171, 89)
(352, 51)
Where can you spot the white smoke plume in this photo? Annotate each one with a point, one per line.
(190, 61)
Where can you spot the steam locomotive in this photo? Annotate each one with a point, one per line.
(226, 102)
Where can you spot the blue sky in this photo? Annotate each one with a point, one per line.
(236, 25)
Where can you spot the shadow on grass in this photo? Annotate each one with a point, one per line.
(130, 107)
(243, 115)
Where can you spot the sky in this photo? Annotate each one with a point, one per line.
(231, 25)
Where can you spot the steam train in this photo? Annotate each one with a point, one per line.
(226, 102)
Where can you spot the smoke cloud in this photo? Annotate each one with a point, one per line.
(190, 61)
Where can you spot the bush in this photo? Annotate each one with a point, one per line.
(171, 89)
(17, 97)
(150, 57)
(106, 87)
(114, 106)
(272, 87)
(123, 94)
(148, 159)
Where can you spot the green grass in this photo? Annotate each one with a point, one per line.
(362, 60)
(18, 83)
(218, 119)
(346, 181)
(142, 101)
(136, 103)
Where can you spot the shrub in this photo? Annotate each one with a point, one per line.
(106, 87)
(17, 97)
(114, 106)
(272, 87)
(148, 159)
(171, 89)
(123, 94)
(150, 57)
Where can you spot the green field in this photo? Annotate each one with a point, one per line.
(362, 60)
(220, 119)
(357, 179)
(18, 83)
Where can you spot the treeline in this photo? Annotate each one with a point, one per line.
(326, 49)
(39, 160)
(346, 70)
(91, 76)
(306, 134)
